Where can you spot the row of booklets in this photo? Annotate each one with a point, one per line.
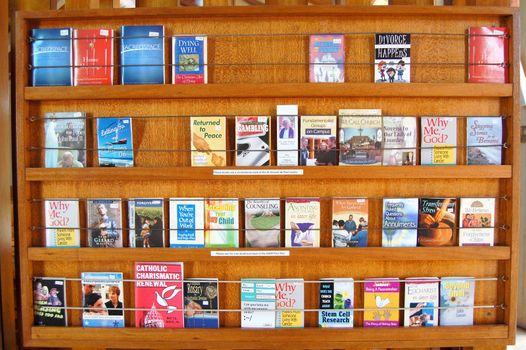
(214, 223)
(66, 56)
(357, 137)
(164, 300)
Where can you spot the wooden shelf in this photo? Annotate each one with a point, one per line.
(245, 90)
(270, 10)
(305, 254)
(205, 173)
(266, 338)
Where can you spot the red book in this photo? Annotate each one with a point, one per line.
(488, 55)
(159, 291)
(93, 56)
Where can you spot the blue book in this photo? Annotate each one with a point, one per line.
(484, 141)
(103, 299)
(114, 137)
(201, 300)
(189, 60)
(457, 298)
(142, 55)
(400, 222)
(51, 48)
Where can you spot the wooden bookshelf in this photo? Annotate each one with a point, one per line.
(246, 89)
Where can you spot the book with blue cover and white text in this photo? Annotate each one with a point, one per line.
(51, 47)
(484, 141)
(400, 222)
(115, 142)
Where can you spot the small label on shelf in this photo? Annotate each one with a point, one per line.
(250, 253)
(256, 172)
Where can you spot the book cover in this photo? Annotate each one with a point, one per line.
(287, 135)
(488, 54)
(142, 55)
(400, 222)
(51, 47)
(392, 57)
(189, 60)
(187, 223)
(381, 296)
(208, 141)
(457, 298)
(258, 303)
(159, 294)
(252, 141)
(124, 4)
(421, 302)
(103, 299)
(104, 223)
(146, 222)
(49, 301)
(350, 218)
(93, 56)
(399, 141)
(484, 138)
(336, 303)
(262, 223)
(290, 296)
(222, 223)
(201, 300)
(302, 222)
(115, 142)
(477, 222)
(439, 141)
(62, 224)
(327, 58)
(361, 136)
(318, 140)
(437, 222)
(65, 140)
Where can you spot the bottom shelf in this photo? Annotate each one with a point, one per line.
(228, 338)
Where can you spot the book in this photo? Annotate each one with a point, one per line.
(146, 222)
(421, 302)
(252, 141)
(437, 222)
(439, 141)
(115, 142)
(302, 222)
(287, 135)
(187, 223)
(400, 222)
(62, 223)
(361, 136)
(104, 223)
(258, 303)
(350, 217)
(457, 298)
(488, 54)
(93, 56)
(392, 57)
(201, 300)
(477, 222)
(65, 140)
(189, 59)
(222, 223)
(399, 141)
(262, 223)
(142, 55)
(199, 3)
(484, 138)
(290, 296)
(318, 140)
(336, 295)
(51, 47)
(381, 297)
(327, 58)
(159, 294)
(49, 301)
(208, 141)
(124, 4)
(103, 299)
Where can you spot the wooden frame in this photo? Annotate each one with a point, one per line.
(251, 91)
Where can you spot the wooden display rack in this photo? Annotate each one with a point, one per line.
(257, 89)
